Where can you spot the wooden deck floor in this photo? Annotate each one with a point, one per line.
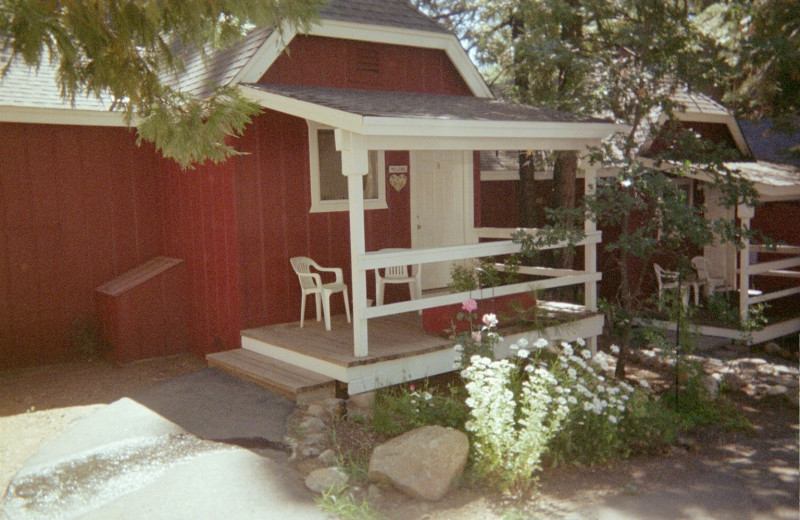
(390, 337)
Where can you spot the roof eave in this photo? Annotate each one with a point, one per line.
(407, 133)
(61, 116)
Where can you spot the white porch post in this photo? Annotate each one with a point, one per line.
(355, 164)
(590, 250)
(745, 213)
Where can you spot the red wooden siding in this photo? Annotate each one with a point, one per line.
(781, 222)
(200, 227)
(81, 205)
(78, 205)
(273, 198)
(329, 62)
(499, 203)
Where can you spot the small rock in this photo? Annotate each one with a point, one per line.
(319, 440)
(711, 384)
(315, 410)
(733, 381)
(311, 425)
(687, 442)
(775, 390)
(327, 457)
(334, 406)
(364, 400)
(772, 348)
(322, 480)
(309, 451)
(750, 361)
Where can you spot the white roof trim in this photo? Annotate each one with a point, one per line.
(390, 126)
(305, 110)
(61, 116)
(265, 56)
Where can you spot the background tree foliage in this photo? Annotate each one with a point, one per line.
(742, 52)
(127, 50)
(627, 59)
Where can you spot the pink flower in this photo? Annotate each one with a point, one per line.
(469, 305)
(476, 336)
(411, 387)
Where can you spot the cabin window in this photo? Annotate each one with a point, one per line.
(329, 185)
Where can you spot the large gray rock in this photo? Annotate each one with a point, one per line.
(423, 463)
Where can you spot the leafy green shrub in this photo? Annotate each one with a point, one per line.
(402, 408)
(696, 407)
(484, 274)
(598, 411)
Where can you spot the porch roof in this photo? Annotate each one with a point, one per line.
(433, 121)
(773, 181)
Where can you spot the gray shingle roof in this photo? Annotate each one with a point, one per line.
(769, 174)
(218, 67)
(26, 87)
(370, 103)
(392, 13)
(23, 87)
(698, 102)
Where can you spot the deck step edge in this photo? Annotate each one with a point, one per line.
(293, 382)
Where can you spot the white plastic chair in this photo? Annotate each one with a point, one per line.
(311, 283)
(669, 280)
(711, 283)
(398, 274)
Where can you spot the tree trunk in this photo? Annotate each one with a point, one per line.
(530, 210)
(565, 171)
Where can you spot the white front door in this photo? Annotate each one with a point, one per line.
(441, 206)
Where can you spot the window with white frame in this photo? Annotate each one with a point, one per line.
(329, 185)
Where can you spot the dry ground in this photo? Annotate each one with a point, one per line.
(725, 475)
(36, 404)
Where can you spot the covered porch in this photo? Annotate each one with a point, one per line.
(754, 273)
(386, 343)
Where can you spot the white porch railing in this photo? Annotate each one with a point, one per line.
(556, 277)
(777, 268)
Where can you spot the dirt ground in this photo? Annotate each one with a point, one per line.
(719, 475)
(37, 404)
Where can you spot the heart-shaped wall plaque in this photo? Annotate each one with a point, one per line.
(398, 181)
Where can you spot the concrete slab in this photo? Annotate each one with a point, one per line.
(148, 458)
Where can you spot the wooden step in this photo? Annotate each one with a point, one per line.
(298, 384)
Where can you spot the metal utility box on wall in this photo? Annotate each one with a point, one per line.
(144, 312)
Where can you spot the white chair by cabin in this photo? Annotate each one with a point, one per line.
(704, 277)
(311, 283)
(669, 280)
(398, 274)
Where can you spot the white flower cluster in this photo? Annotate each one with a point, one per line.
(512, 431)
(593, 394)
